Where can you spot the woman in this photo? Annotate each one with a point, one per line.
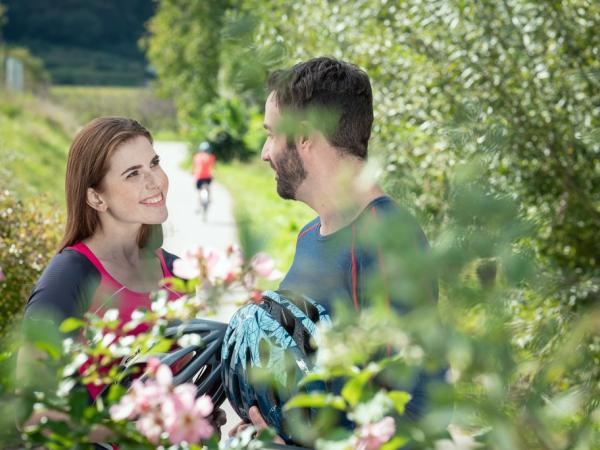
(110, 255)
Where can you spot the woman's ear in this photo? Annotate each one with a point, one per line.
(94, 199)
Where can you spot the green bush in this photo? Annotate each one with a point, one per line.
(231, 128)
(29, 236)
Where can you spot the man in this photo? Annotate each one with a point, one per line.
(325, 170)
(318, 118)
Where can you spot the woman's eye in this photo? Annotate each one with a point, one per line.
(133, 173)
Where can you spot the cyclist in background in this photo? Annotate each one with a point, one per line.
(203, 164)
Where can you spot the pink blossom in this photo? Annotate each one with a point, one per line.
(186, 393)
(148, 396)
(125, 409)
(151, 426)
(142, 398)
(264, 266)
(152, 365)
(187, 267)
(159, 407)
(211, 256)
(222, 267)
(185, 416)
(164, 377)
(373, 435)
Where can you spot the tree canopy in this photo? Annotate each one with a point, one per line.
(91, 42)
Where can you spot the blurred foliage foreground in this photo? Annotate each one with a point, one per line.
(501, 395)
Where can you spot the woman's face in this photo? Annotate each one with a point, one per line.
(135, 186)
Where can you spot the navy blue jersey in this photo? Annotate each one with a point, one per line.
(339, 266)
(67, 286)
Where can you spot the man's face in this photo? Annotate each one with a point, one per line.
(281, 154)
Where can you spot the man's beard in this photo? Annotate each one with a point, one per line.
(290, 172)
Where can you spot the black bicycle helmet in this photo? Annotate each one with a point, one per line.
(269, 335)
(197, 363)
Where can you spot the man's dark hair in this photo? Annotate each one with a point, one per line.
(329, 84)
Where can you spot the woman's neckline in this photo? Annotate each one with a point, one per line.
(101, 267)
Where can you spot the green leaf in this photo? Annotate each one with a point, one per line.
(50, 348)
(71, 324)
(353, 389)
(163, 346)
(400, 399)
(115, 392)
(395, 443)
(315, 400)
(177, 284)
(324, 375)
(78, 401)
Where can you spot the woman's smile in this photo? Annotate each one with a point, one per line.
(155, 200)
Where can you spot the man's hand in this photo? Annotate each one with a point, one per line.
(258, 421)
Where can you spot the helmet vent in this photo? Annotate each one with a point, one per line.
(304, 305)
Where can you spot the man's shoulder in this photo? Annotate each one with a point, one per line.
(387, 206)
(384, 204)
(312, 226)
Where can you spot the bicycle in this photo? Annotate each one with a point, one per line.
(204, 200)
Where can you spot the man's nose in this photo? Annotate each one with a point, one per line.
(264, 154)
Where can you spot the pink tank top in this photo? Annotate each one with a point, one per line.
(111, 294)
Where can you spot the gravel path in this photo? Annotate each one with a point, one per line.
(186, 229)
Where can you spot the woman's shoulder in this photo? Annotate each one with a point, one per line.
(65, 287)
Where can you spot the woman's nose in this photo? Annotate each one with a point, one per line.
(151, 180)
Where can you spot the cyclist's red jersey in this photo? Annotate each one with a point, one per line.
(203, 165)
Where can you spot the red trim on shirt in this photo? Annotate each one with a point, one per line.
(354, 280)
(307, 230)
(382, 265)
(161, 256)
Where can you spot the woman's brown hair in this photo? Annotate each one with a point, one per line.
(87, 165)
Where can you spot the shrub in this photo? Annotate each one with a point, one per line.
(29, 235)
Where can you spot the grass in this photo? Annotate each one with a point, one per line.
(35, 132)
(70, 64)
(265, 221)
(140, 103)
(34, 141)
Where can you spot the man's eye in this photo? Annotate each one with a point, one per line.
(155, 163)
(133, 173)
